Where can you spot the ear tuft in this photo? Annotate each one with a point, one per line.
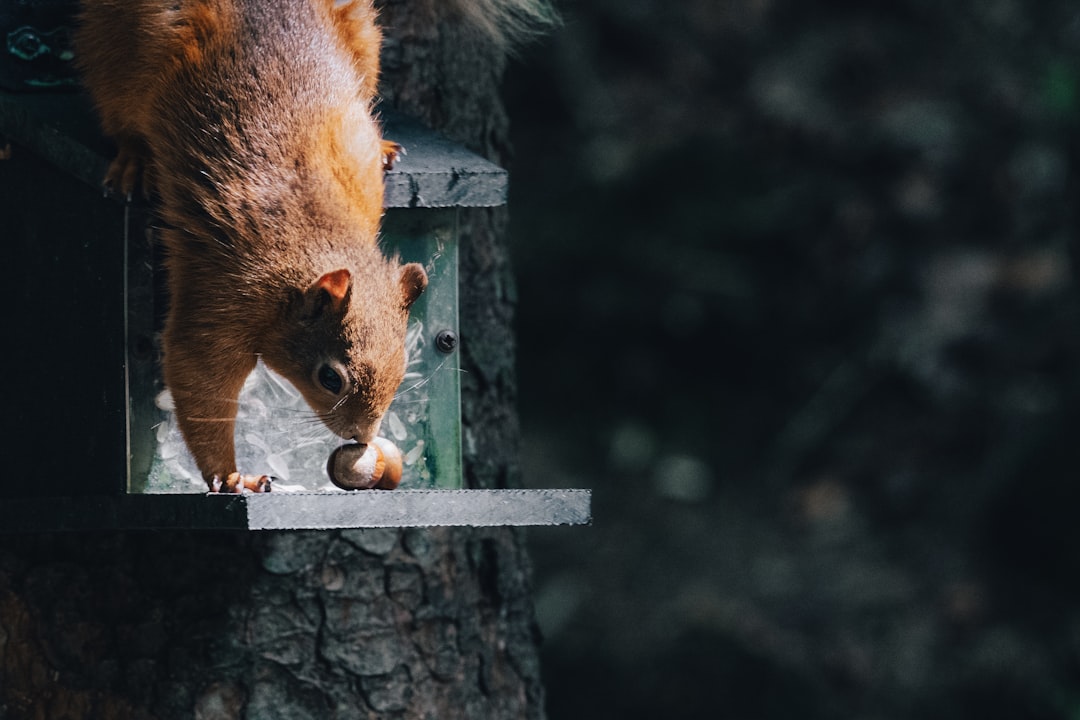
(413, 281)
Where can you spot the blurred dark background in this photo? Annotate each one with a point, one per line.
(797, 300)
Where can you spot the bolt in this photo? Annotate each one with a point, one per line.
(446, 341)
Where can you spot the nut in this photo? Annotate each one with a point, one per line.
(362, 467)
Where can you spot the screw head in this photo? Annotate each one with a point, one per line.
(446, 341)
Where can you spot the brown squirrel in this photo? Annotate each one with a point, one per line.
(252, 121)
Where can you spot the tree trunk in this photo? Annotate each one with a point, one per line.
(331, 624)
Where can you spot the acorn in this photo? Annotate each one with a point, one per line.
(362, 467)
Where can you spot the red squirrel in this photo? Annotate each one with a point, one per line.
(252, 121)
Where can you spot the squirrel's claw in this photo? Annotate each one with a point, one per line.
(257, 483)
(127, 171)
(236, 483)
(391, 153)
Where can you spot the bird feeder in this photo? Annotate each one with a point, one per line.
(92, 439)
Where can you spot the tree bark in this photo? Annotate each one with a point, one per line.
(334, 624)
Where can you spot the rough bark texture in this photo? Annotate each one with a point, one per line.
(350, 624)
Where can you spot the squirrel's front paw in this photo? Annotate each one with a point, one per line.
(237, 483)
(128, 171)
(391, 153)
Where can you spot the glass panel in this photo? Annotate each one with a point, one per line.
(276, 432)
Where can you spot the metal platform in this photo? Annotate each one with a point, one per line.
(299, 511)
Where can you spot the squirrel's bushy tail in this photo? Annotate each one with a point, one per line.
(509, 22)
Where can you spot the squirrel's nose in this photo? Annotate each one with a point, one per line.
(364, 434)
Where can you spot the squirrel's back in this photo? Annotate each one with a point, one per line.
(218, 95)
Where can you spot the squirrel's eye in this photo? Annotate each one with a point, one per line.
(329, 379)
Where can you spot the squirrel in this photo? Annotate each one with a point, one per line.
(253, 123)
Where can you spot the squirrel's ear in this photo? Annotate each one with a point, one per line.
(413, 281)
(331, 289)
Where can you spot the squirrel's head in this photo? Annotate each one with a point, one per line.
(344, 349)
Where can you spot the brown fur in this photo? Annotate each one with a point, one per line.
(251, 119)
